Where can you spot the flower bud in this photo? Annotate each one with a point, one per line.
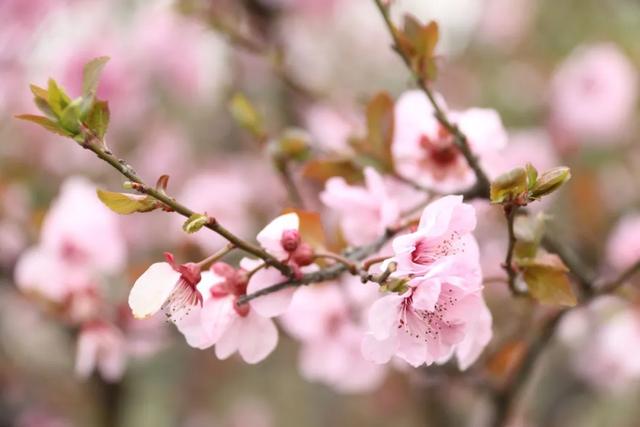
(242, 310)
(303, 255)
(238, 284)
(290, 240)
(223, 269)
(550, 181)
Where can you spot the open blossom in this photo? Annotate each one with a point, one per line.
(425, 151)
(80, 238)
(594, 93)
(439, 310)
(365, 212)
(221, 322)
(167, 287)
(422, 329)
(101, 347)
(443, 233)
(326, 319)
(623, 247)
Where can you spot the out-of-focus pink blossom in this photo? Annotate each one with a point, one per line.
(365, 212)
(326, 319)
(610, 360)
(101, 347)
(623, 247)
(224, 194)
(593, 95)
(425, 151)
(495, 29)
(80, 238)
(331, 128)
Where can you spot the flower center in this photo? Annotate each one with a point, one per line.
(442, 151)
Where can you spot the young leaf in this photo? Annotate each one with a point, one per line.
(547, 280)
(323, 169)
(376, 146)
(46, 123)
(509, 186)
(98, 118)
(57, 99)
(70, 117)
(91, 76)
(550, 181)
(532, 175)
(125, 204)
(246, 115)
(195, 222)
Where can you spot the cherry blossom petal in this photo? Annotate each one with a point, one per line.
(426, 295)
(383, 316)
(259, 337)
(378, 351)
(230, 340)
(270, 236)
(152, 289)
(216, 317)
(273, 304)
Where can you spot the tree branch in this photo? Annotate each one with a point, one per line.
(481, 187)
(97, 146)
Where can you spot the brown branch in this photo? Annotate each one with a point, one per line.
(512, 274)
(97, 146)
(481, 187)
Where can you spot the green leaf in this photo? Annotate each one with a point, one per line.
(246, 115)
(125, 204)
(91, 76)
(509, 186)
(550, 181)
(57, 99)
(293, 144)
(70, 117)
(547, 280)
(98, 118)
(46, 123)
(532, 175)
(195, 222)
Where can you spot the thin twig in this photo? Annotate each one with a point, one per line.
(481, 187)
(95, 145)
(510, 213)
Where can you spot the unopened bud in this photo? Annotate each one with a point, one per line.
(290, 240)
(238, 284)
(242, 310)
(550, 181)
(303, 255)
(223, 269)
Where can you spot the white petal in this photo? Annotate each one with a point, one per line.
(273, 304)
(230, 340)
(383, 316)
(152, 289)
(216, 316)
(259, 337)
(378, 351)
(270, 236)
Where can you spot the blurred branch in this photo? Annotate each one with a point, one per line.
(581, 272)
(272, 55)
(620, 280)
(97, 146)
(481, 187)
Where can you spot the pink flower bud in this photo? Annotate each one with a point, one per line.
(303, 255)
(238, 285)
(223, 269)
(242, 310)
(290, 240)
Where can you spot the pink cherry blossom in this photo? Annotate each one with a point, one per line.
(365, 212)
(610, 360)
(326, 319)
(593, 94)
(221, 322)
(167, 287)
(271, 236)
(444, 232)
(425, 151)
(623, 247)
(419, 332)
(80, 238)
(101, 347)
